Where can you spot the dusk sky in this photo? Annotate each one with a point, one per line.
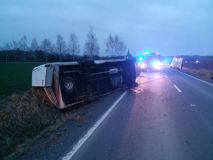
(170, 27)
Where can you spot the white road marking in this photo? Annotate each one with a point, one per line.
(192, 105)
(178, 89)
(197, 78)
(78, 145)
(164, 74)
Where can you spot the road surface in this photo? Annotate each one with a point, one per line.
(168, 116)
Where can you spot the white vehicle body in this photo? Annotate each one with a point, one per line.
(177, 63)
(47, 77)
(43, 74)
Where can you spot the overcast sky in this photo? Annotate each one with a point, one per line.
(170, 27)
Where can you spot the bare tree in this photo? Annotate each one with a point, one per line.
(23, 43)
(60, 46)
(120, 46)
(110, 45)
(91, 47)
(11, 45)
(14, 45)
(115, 46)
(46, 46)
(54, 48)
(34, 45)
(73, 45)
(8, 46)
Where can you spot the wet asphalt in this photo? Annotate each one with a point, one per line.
(154, 121)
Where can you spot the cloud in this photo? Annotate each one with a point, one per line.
(168, 26)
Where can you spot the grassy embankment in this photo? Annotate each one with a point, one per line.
(202, 73)
(24, 112)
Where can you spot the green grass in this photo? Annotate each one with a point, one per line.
(205, 74)
(15, 77)
(24, 113)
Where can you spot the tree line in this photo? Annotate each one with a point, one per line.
(61, 50)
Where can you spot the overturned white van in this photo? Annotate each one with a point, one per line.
(70, 83)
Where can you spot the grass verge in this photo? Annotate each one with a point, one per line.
(204, 74)
(24, 118)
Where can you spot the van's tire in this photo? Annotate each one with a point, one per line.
(68, 84)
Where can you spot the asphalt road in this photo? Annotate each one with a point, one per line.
(169, 116)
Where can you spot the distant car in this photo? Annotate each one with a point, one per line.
(149, 62)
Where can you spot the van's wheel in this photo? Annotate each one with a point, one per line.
(69, 84)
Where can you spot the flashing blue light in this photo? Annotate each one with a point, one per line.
(167, 60)
(140, 59)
